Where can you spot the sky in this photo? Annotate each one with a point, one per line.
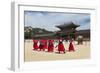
(48, 20)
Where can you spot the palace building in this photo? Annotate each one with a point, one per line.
(67, 30)
(68, 27)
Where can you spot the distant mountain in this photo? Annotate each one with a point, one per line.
(30, 32)
(40, 31)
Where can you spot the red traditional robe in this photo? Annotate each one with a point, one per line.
(42, 45)
(50, 46)
(61, 46)
(71, 47)
(35, 45)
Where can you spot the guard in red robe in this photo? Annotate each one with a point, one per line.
(50, 45)
(41, 46)
(71, 46)
(35, 45)
(61, 47)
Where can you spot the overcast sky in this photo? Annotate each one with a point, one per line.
(48, 20)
